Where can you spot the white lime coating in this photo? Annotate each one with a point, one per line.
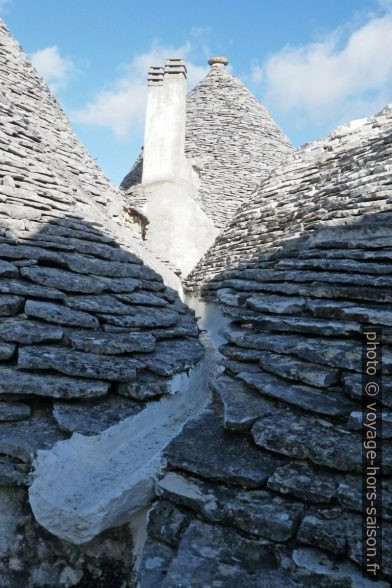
(84, 485)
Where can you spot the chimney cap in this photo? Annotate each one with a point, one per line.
(218, 61)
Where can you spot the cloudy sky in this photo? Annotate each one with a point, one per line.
(313, 64)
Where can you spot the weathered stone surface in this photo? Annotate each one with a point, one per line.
(337, 353)
(142, 317)
(315, 567)
(13, 381)
(114, 269)
(167, 522)
(119, 285)
(13, 251)
(92, 417)
(235, 367)
(110, 343)
(239, 353)
(8, 270)
(305, 483)
(146, 386)
(55, 313)
(277, 304)
(14, 411)
(206, 450)
(21, 330)
(304, 437)
(274, 274)
(354, 547)
(100, 303)
(144, 298)
(350, 311)
(22, 439)
(241, 406)
(63, 280)
(10, 305)
(182, 328)
(350, 495)
(77, 363)
(306, 397)
(6, 351)
(32, 290)
(329, 529)
(353, 386)
(170, 357)
(297, 369)
(256, 512)
(328, 328)
(331, 182)
(355, 423)
(156, 559)
(210, 555)
(229, 297)
(13, 472)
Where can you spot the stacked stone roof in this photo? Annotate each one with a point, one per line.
(233, 141)
(322, 184)
(265, 487)
(88, 330)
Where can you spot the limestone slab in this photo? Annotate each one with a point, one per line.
(14, 411)
(6, 351)
(305, 483)
(10, 305)
(62, 315)
(256, 511)
(298, 370)
(26, 331)
(309, 398)
(304, 437)
(241, 405)
(13, 381)
(78, 363)
(170, 357)
(205, 449)
(111, 343)
(92, 417)
(24, 288)
(63, 280)
(22, 439)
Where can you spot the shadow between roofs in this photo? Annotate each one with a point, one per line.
(92, 343)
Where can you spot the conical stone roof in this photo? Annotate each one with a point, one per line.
(322, 184)
(266, 485)
(35, 123)
(89, 333)
(233, 141)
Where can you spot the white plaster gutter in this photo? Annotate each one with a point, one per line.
(85, 484)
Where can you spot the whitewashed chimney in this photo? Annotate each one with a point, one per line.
(179, 231)
(164, 135)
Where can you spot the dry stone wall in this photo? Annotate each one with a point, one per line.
(323, 184)
(232, 140)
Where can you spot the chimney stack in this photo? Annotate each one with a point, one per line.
(164, 134)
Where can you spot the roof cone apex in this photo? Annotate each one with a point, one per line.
(214, 61)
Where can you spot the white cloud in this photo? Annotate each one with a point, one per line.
(256, 72)
(336, 77)
(54, 68)
(4, 4)
(121, 106)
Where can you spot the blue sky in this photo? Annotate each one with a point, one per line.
(313, 64)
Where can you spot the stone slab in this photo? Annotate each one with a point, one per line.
(78, 363)
(13, 381)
